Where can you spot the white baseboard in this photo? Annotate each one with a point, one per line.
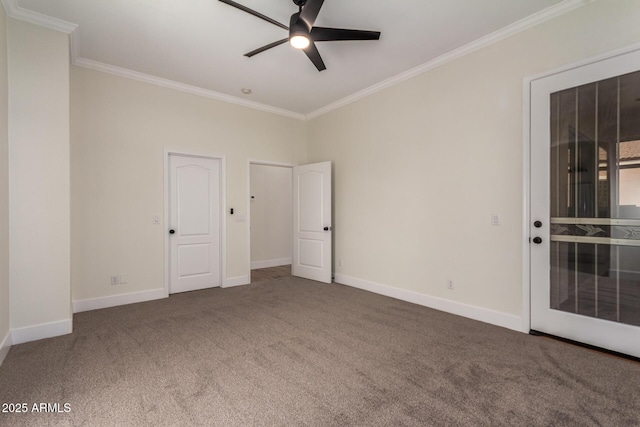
(270, 263)
(116, 300)
(41, 331)
(5, 345)
(230, 282)
(497, 318)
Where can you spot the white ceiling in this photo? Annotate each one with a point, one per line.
(201, 43)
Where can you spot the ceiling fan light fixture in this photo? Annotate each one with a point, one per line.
(303, 34)
(299, 41)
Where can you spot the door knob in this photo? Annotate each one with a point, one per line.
(537, 224)
(537, 240)
(328, 228)
(172, 231)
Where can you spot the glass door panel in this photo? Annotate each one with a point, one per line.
(595, 199)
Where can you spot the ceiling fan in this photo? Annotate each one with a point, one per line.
(302, 33)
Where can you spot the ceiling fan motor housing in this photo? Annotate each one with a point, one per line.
(298, 27)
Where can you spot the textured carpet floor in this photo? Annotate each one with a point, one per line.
(295, 352)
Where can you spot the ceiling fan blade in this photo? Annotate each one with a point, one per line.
(254, 13)
(266, 47)
(321, 34)
(314, 56)
(310, 11)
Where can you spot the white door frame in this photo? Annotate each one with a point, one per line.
(526, 170)
(248, 207)
(167, 210)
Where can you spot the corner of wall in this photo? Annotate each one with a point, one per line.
(39, 303)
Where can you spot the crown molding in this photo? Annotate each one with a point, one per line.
(17, 12)
(74, 45)
(501, 34)
(171, 84)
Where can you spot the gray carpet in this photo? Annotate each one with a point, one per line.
(295, 352)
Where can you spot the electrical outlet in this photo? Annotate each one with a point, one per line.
(496, 219)
(115, 280)
(450, 284)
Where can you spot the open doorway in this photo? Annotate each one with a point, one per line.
(271, 220)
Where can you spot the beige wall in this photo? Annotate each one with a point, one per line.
(271, 215)
(421, 167)
(4, 185)
(39, 177)
(120, 131)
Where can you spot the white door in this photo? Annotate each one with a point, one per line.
(585, 204)
(194, 223)
(312, 229)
